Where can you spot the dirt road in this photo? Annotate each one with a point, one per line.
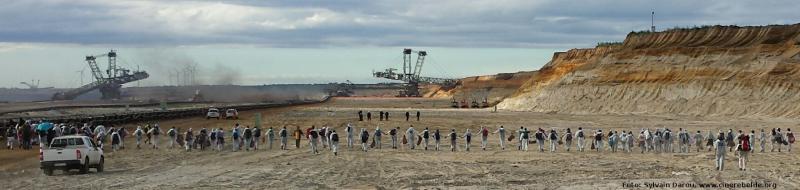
(403, 168)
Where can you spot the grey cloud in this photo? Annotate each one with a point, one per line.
(502, 23)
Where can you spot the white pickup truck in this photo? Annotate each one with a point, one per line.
(71, 152)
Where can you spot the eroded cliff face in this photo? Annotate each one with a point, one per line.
(710, 71)
(494, 88)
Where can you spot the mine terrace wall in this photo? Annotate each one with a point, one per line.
(708, 71)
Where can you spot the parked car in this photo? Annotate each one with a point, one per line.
(231, 114)
(212, 113)
(71, 152)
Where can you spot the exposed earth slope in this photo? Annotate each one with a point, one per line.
(708, 71)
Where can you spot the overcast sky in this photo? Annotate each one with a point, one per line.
(265, 42)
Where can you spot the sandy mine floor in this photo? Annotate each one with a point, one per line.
(411, 169)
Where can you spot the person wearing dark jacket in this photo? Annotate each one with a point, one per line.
(364, 139)
(334, 142)
(437, 137)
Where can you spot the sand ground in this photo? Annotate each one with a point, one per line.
(414, 169)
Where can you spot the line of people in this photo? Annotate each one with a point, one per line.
(26, 133)
(383, 116)
(660, 140)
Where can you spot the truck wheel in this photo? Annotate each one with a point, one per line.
(47, 171)
(100, 166)
(85, 167)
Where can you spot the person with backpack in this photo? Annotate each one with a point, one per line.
(502, 134)
(73, 130)
(377, 137)
(189, 140)
(776, 139)
(138, 133)
(642, 140)
(581, 139)
(744, 149)
(630, 141)
(313, 135)
(540, 137)
(155, 132)
(270, 137)
(11, 137)
(598, 140)
(524, 139)
(613, 141)
(790, 139)
(334, 140)
(567, 139)
(236, 138)
(553, 140)
(425, 136)
(468, 137)
(720, 151)
(123, 133)
(202, 139)
(283, 135)
(437, 137)
(710, 140)
(453, 137)
(172, 133)
(364, 139)
(248, 137)
(257, 137)
(683, 138)
(220, 139)
(322, 136)
(369, 116)
(484, 137)
(667, 141)
(657, 147)
(115, 139)
(213, 137)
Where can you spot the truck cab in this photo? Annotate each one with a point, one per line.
(71, 152)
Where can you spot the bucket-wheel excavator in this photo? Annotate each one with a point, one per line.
(110, 85)
(411, 75)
